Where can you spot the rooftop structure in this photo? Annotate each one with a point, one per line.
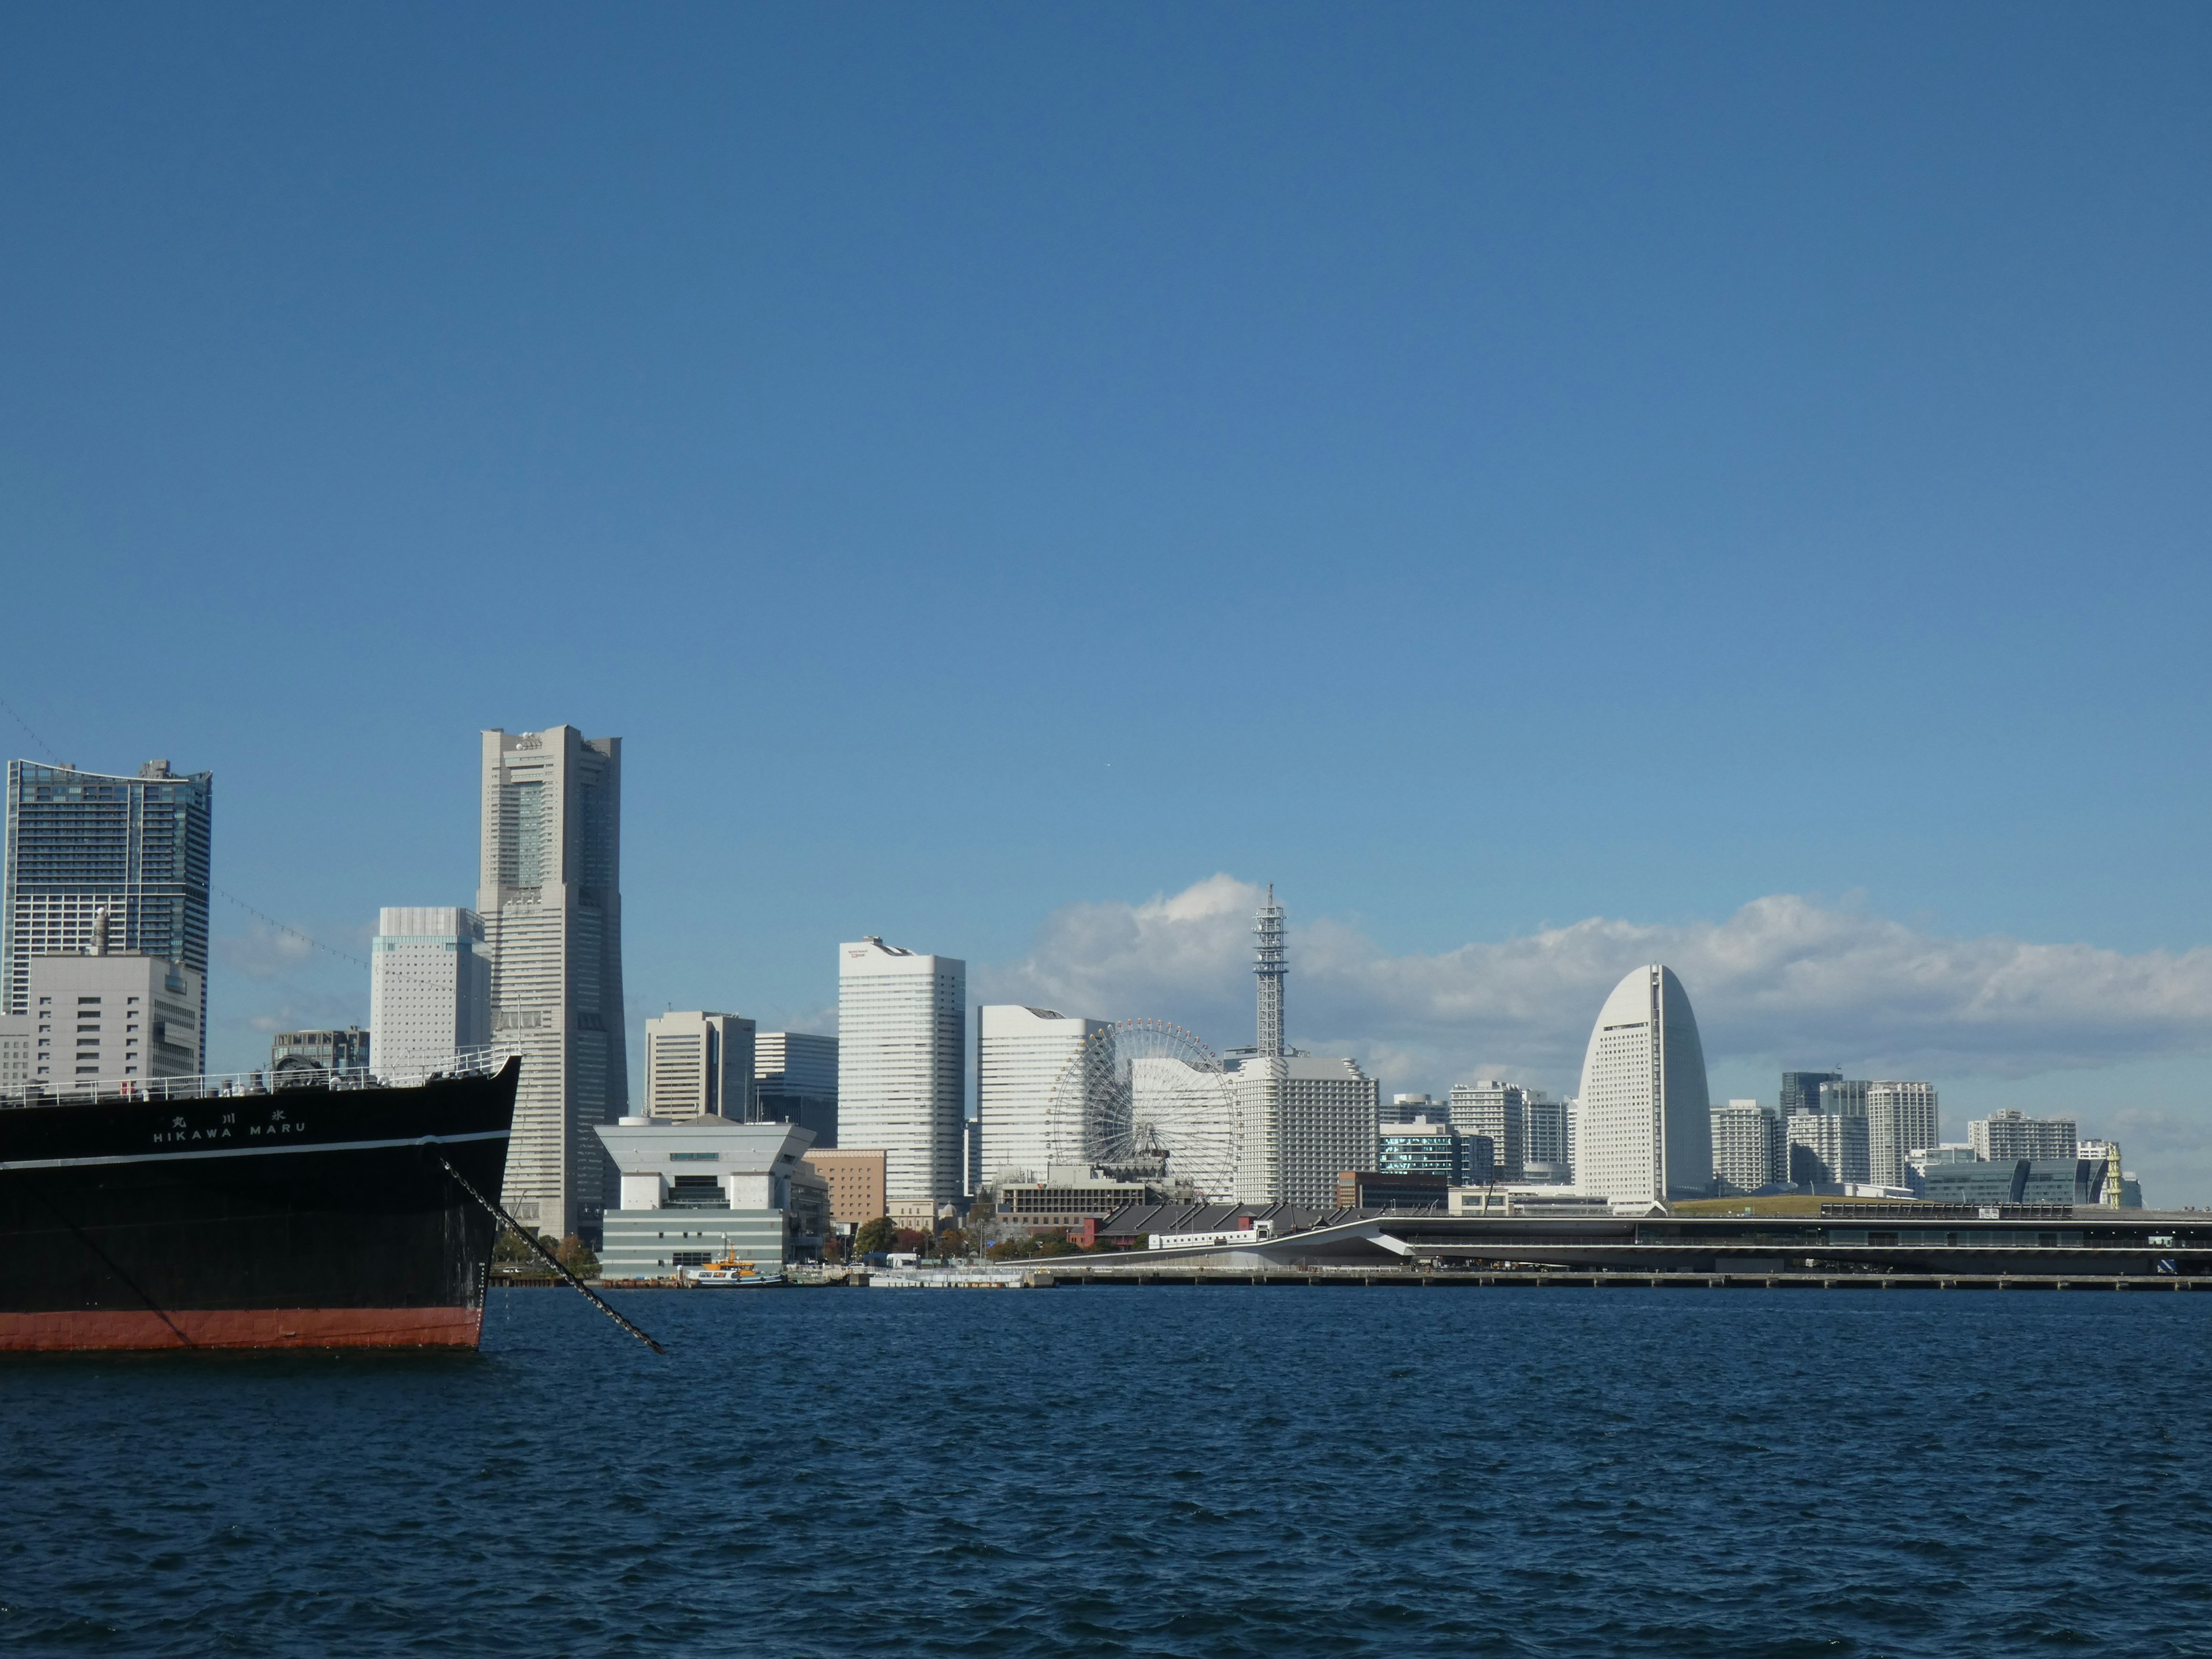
(1272, 965)
(327, 1050)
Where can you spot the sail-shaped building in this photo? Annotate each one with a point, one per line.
(1645, 1129)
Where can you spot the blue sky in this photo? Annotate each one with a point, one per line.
(1481, 469)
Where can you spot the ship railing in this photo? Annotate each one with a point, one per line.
(468, 1062)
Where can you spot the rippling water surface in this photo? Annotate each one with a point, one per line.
(1165, 1470)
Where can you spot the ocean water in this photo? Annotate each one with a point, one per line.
(1162, 1470)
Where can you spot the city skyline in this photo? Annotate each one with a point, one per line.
(1040, 403)
(1539, 1056)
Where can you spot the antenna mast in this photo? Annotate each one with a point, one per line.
(1272, 965)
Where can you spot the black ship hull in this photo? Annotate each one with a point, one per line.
(308, 1218)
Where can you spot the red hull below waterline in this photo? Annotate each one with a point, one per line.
(84, 1330)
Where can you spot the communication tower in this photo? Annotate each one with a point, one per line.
(1273, 965)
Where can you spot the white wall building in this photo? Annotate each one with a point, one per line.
(1900, 1118)
(699, 1064)
(901, 1066)
(548, 890)
(1644, 1129)
(692, 1191)
(1827, 1149)
(430, 987)
(1304, 1122)
(1020, 1053)
(1746, 1138)
(1498, 1112)
(2007, 1135)
(110, 1020)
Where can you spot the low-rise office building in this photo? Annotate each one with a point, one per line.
(1372, 1189)
(698, 1190)
(1067, 1199)
(1431, 1147)
(855, 1179)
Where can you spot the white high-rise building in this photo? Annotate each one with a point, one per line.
(1019, 1054)
(430, 987)
(1498, 1112)
(901, 1066)
(1744, 1143)
(550, 894)
(1900, 1120)
(1644, 1126)
(1305, 1121)
(2003, 1137)
(699, 1064)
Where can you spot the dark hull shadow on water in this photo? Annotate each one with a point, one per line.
(1170, 1471)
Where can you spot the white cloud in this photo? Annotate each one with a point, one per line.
(1783, 978)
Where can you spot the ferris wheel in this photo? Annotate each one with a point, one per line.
(1147, 1099)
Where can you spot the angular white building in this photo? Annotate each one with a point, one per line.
(1643, 1125)
(1019, 1053)
(698, 1064)
(549, 893)
(901, 1068)
(430, 987)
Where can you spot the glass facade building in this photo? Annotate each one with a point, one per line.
(103, 866)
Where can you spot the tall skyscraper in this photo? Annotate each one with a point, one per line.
(1900, 1120)
(429, 988)
(795, 1081)
(902, 1066)
(1644, 1127)
(699, 1064)
(110, 865)
(551, 896)
(1019, 1054)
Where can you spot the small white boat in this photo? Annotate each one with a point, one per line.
(730, 1273)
